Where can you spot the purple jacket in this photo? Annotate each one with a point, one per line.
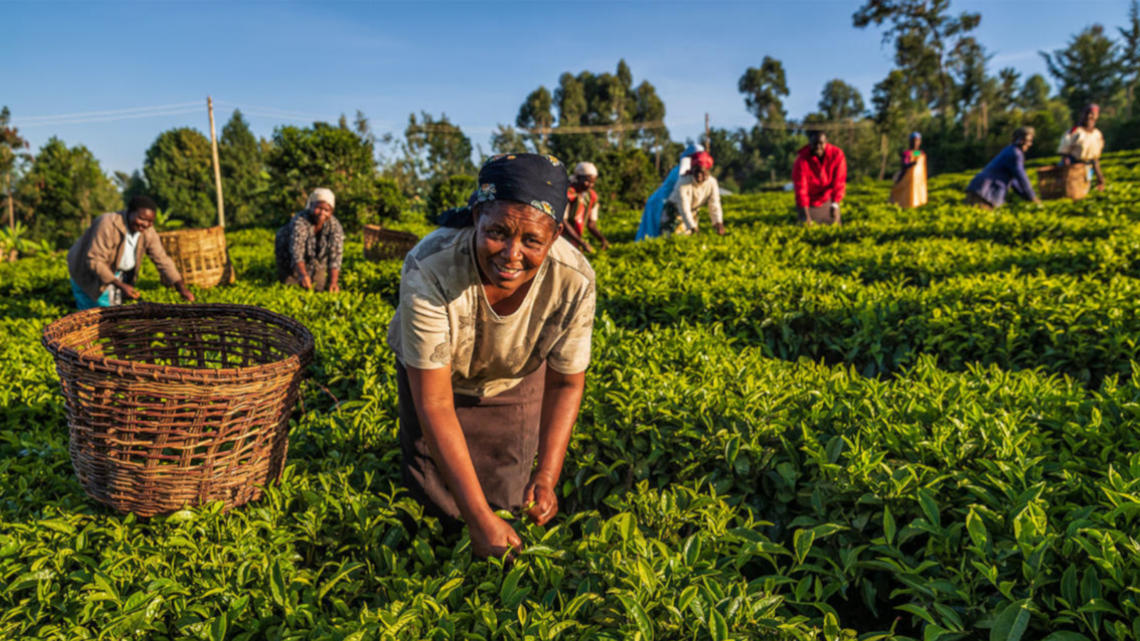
(1006, 170)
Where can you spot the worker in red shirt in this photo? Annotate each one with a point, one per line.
(820, 179)
(582, 209)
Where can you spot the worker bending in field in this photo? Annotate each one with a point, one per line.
(104, 263)
(310, 247)
(819, 176)
(650, 226)
(693, 189)
(1006, 171)
(582, 208)
(1084, 144)
(492, 339)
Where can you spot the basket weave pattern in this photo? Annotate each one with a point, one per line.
(380, 243)
(200, 255)
(1063, 181)
(175, 405)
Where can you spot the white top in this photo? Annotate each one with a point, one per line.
(130, 249)
(688, 196)
(1082, 144)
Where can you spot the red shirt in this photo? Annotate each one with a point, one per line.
(579, 208)
(819, 180)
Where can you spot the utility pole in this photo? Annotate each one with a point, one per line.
(708, 136)
(217, 169)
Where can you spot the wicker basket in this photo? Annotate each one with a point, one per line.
(200, 255)
(382, 243)
(175, 405)
(1063, 181)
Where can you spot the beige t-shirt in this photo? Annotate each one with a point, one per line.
(688, 196)
(1082, 144)
(444, 319)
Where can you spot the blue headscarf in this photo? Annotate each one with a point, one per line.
(538, 180)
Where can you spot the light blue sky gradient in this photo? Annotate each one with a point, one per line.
(474, 61)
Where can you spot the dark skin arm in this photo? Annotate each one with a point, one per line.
(306, 281)
(434, 401)
(1099, 175)
(592, 225)
(576, 238)
(334, 280)
(561, 398)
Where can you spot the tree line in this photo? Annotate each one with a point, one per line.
(941, 85)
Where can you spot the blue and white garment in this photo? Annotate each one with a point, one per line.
(651, 218)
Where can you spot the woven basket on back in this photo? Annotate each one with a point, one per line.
(382, 243)
(175, 405)
(200, 255)
(1063, 181)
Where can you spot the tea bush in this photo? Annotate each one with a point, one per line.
(920, 425)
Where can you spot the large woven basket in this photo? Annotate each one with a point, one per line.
(200, 255)
(176, 405)
(1063, 181)
(380, 243)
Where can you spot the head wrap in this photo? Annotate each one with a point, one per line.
(703, 159)
(586, 169)
(538, 180)
(914, 135)
(1092, 107)
(321, 195)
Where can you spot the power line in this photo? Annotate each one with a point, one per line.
(99, 119)
(108, 112)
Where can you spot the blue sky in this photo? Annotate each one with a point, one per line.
(292, 62)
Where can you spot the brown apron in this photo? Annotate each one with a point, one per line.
(821, 215)
(502, 438)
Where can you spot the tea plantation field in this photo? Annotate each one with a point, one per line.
(920, 425)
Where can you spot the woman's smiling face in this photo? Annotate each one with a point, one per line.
(511, 241)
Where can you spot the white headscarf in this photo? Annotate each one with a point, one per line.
(321, 195)
(586, 169)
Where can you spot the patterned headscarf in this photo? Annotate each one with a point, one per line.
(538, 180)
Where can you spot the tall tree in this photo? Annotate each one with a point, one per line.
(1087, 70)
(12, 154)
(66, 189)
(243, 172)
(922, 31)
(840, 101)
(178, 169)
(763, 88)
(536, 112)
(1130, 53)
(302, 159)
(436, 149)
(1034, 93)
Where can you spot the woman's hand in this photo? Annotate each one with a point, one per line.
(183, 291)
(493, 537)
(539, 494)
(130, 292)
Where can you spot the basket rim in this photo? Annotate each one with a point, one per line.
(161, 372)
(184, 231)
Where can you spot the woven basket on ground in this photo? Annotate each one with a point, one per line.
(382, 243)
(200, 255)
(175, 405)
(1063, 181)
